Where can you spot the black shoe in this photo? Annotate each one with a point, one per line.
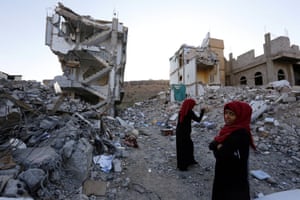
(182, 168)
(194, 162)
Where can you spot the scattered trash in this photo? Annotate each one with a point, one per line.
(269, 120)
(209, 125)
(105, 162)
(261, 175)
(167, 132)
(130, 140)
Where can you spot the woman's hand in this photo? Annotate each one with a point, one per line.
(213, 145)
(219, 146)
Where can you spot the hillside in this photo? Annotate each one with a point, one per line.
(136, 91)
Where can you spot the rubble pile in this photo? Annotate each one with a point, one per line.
(54, 146)
(275, 127)
(48, 142)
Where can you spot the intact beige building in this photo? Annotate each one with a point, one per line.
(280, 61)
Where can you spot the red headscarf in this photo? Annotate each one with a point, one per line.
(243, 113)
(187, 105)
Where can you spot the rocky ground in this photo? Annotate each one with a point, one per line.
(149, 171)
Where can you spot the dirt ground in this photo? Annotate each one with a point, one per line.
(149, 171)
(151, 168)
(153, 174)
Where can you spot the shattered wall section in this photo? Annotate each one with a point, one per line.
(192, 67)
(92, 54)
(6, 76)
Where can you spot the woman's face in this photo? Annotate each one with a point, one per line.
(229, 117)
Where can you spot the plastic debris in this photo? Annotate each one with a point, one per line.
(261, 175)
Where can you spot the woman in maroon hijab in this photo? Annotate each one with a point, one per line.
(231, 150)
(184, 143)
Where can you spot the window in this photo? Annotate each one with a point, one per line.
(280, 75)
(258, 79)
(243, 80)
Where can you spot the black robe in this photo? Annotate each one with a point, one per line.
(184, 143)
(231, 167)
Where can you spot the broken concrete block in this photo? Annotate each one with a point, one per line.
(117, 165)
(92, 187)
(79, 163)
(3, 181)
(32, 178)
(284, 195)
(15, 188)
(42, 157)
(289, 99)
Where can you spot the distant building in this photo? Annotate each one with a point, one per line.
(280, 61)
(6, 76)
(192, 67)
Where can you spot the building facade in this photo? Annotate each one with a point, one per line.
(280, 61)
(6, 76)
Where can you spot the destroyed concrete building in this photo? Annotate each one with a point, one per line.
(46, 150)
(6, 76)
(191, 67)
(92, 54)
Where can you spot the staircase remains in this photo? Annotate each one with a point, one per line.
(92, 54)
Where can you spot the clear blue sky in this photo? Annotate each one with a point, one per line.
(156, 30)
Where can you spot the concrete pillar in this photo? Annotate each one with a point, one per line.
(113, 62)
(229, 70)
(270, 76)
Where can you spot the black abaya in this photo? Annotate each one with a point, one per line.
(184, 143)
(231, 168)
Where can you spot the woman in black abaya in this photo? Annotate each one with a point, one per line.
(231, 150)
(184, 143)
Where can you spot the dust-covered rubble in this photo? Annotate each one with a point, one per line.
(275, 127)
(72, 151)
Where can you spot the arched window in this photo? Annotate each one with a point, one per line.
(280, 75)
(243, 80)
(258, 78)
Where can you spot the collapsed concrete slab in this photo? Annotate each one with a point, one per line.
(290, 195)
(258, 107)
(92, 54)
